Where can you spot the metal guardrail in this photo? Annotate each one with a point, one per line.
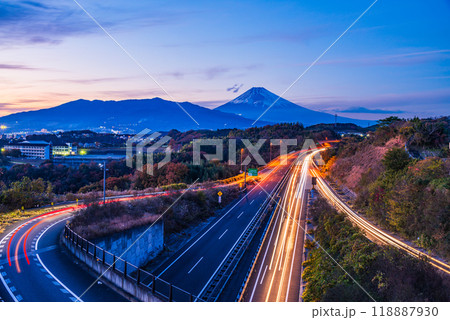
(263, 237)
(220, 279)
(122, 270)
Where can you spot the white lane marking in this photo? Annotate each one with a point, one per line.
(223, 234)
(13, 296)
(232, 247)
(265, 254)
(264, 274)
(195, 265)
(209, 229)
(240, 214)
(304, 176)
(19, 298)
(260, 192)
(43, 265)
(252, 201)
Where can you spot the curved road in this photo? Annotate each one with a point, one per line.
(370, 229)
(33, 266)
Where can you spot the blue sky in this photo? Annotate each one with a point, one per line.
(394, 61)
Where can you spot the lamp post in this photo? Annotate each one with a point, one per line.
(270, 152)
(242, 151)
(104, 180)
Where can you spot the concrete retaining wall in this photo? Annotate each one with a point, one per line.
(139, 245)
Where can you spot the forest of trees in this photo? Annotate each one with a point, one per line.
(380, 273)
(89, 177)
(408, 196)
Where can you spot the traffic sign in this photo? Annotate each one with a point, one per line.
(219, 193)
(253, 172)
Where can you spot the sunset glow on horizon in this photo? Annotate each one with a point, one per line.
(394, 61)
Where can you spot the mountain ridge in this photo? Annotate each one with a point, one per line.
(133, 115)
(259, 103)
(130, 115)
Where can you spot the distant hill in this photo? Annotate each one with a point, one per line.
(161, 115)
(127, 115)
(252, 103)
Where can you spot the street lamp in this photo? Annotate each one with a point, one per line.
(242, 151)
(104, 180)
(270, 152)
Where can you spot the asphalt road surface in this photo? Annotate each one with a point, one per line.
(34, 267)
(276, 274)
(196, 263)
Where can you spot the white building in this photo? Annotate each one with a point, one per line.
(64, 150)
(32, 149)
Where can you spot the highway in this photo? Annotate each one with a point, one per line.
(372, 231)
(276, 273)
(196, 263)
(34, 267)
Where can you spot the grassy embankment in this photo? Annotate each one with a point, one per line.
(190, 209)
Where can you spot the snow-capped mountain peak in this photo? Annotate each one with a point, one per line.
(259, 103)
(257, 96)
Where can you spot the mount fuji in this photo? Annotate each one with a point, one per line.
(254, 102)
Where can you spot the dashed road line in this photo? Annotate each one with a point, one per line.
(240, 214)
(262, 279)
(223, 234)
(195, 265)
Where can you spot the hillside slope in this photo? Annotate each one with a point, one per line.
(408, 196)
